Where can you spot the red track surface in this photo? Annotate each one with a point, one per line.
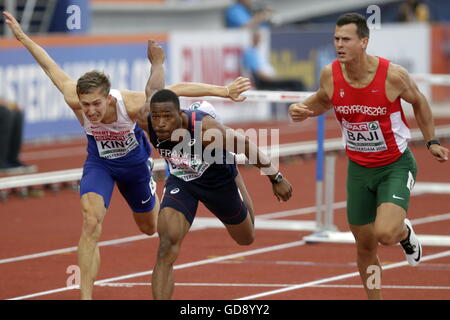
(53, 222)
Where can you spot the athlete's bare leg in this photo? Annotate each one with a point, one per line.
(366, 246)
(93, 210)
(245, 196)
(244, 232)
(147, 221)
(390, 225)
(172, 227)
(388, 229)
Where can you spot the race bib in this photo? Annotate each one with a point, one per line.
(184, 166)
(364, 136)
(112, 145)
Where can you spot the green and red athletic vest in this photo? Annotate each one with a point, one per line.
(374, 129)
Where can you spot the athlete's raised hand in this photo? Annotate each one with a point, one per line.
(439, 152)
(14, 26)
(299, 112)
(238, 86)
(155, 53)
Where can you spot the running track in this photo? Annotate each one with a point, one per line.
(39, 238)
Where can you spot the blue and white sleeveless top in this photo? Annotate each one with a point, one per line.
(120, 143)
(190, 161)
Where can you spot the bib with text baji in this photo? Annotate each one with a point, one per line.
(364, 136)
(112, 145)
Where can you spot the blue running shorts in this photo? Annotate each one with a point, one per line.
(134, 183)
(225, 202)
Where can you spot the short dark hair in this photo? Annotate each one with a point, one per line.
(359, 20)
(92, 80)
(166, 95)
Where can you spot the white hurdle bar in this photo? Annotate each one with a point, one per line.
(347, 237)
(326, 231)
(284, 150)
(296, 96)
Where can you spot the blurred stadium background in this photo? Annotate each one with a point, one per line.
(111, 35)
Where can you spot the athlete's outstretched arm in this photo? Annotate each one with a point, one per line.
(422, 111)
(232, 91)
(216, 135)
(316, 104)
(61, 80)
(156, 81)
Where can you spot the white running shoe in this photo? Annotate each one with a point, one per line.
(411, 246)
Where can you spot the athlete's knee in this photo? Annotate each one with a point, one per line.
(147, 221)
(366, 250)
(246, 239)
(148, 229)
(91, 223)
(168, 250)
(91, 227)
(386, 236)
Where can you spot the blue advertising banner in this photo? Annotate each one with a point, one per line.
(302, 54)
(46, 114)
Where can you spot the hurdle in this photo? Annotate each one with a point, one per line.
(327, 232)
(324, 230)
(284, 150)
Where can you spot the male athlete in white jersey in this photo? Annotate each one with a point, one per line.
(365, 92)
(118, 150)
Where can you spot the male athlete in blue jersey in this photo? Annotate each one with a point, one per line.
(203, 170)
(118, 151)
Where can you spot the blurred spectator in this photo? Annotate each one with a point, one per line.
(11, 125)
(242, 14)
(413, 11)
(262, 72)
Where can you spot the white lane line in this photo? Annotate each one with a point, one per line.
(439, 217)
(339, 277)
(295, 212)
(193, 284)
(73, 249)
(198, 226)
(176, 267)
(269, 285)
(360, 286)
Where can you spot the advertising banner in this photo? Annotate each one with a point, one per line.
(440, 59)
(301, 54)
(209, 57)
(46, 114)
(214, 58)
(405, 44)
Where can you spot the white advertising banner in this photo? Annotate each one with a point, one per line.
(209, 57)
(214, 58)
(405, 44)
